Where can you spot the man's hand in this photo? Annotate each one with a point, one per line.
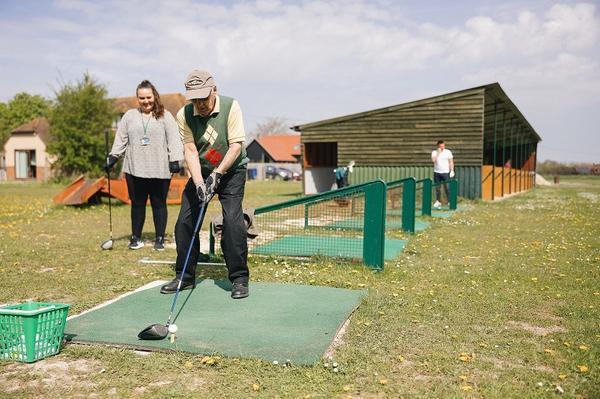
(202, 195)
(175, 166)
(451, 174)
(111, 160)
(212, 183)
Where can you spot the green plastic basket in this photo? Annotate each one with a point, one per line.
(31, 331)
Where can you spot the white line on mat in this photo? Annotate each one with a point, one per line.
(142, 288)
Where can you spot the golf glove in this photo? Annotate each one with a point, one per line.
(175, 166)
(451, 174)
(201, 190)
(212, 183)
(111, 160)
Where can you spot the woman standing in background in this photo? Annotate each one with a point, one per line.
(149, 140)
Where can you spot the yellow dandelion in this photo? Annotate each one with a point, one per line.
(583, 368)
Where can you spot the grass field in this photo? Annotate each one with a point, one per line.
(500, 301)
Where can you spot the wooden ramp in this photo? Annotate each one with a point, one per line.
(82, 190)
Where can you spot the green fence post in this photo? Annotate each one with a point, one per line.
(426, 205)
(453, 188)
(374, 225)
(306, 216)
(211, 241)
(408, 205)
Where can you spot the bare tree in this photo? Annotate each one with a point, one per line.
(271, 126)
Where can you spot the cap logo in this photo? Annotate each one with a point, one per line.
(193, 82)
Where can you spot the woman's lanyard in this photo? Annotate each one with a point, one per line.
(145, 140)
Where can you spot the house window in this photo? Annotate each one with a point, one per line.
(25, 164)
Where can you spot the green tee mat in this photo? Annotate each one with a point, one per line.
(434, 213)
(441, 213)
(276, 322)
(444, 211)
(393, 224)
(306, 245)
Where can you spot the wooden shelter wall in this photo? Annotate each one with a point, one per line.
(407, 136)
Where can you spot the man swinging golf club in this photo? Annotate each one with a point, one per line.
(212, 131)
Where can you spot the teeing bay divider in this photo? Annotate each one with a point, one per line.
(348, 223)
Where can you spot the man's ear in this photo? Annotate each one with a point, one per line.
(215, 89)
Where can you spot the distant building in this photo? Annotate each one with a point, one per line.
(494, 146)
(25, 152)
(280, 148)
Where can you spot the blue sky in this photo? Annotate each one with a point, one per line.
(310, 60)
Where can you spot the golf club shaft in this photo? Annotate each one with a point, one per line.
(187, 258)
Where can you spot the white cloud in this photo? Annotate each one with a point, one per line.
(302, 51)
(77, 5)
(267, 39)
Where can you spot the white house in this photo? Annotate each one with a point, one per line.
(25, 152)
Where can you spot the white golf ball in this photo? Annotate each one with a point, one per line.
(172, 328)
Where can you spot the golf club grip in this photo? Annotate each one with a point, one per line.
(106, 142)
(187, 258)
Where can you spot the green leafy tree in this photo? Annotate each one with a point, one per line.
(3, 127)
(77, 125)
(22, 108)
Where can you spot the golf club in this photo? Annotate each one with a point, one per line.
(160, 331)
(108, 244)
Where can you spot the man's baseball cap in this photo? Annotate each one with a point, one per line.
(198, 84)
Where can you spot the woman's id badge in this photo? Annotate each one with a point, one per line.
(145, 140)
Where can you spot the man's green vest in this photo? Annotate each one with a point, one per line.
(210, 135)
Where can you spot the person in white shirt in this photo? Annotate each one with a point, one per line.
(443, 170)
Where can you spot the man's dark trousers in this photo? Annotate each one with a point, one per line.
(233, 238)
(441, 178)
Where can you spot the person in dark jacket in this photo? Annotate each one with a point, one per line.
(341, 174)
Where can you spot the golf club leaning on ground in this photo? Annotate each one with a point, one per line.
(160, 331)
(108, 244)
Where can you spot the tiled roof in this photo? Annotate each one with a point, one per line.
(172, 102)
(38, 126)
(281, 147)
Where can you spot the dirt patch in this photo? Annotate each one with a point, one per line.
(141, 390)
(48, 373)
(195, 383)
(506, 364)
(338, 340)
(536, 330)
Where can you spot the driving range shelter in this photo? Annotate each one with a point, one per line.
(494, 145)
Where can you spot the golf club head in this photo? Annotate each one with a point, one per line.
(154, 332)
(108, 244)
